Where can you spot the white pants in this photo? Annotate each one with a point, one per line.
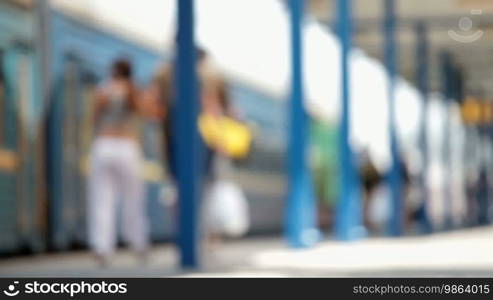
(115, 176)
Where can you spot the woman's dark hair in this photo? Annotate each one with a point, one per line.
(122, 68)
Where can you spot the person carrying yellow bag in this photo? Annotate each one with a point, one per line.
(222, 136)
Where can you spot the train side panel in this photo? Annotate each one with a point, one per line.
(21, 199)
(81, 60)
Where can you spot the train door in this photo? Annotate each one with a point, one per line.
(9, 237)
(27, 122)
(74, 134)
(20, 183)
(88, 81)
(70, 149)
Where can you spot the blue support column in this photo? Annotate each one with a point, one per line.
(447, 91)
(301, 207)
(422, 79)
(394, 177)
(187, 138)
(348, 223)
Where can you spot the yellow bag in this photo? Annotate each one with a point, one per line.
(225, 134)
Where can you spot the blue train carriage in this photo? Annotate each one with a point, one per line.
(22, 200)
(262, 174)
(82, 54)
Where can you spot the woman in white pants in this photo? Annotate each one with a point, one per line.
(114, 169)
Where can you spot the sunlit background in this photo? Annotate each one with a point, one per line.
(54, 57)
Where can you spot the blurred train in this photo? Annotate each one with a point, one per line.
(44, 146)
(22, 205)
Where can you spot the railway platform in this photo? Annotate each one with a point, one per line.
(466, 252)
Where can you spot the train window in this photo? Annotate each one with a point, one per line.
(70, 97)
(25, 101)
(24, 90)
(89, 85)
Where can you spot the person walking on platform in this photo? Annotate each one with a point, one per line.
(115, 162)
(214, 100)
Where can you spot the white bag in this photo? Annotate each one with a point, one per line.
(227, 209)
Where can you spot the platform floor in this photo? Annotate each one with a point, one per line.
(459, 253)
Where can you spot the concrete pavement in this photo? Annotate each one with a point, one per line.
(459, 253)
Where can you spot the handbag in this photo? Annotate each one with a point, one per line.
(226, 135)
(227, 209)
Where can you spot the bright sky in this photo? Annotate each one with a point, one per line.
(150, 19)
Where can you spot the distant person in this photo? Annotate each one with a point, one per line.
(404, 187)
(371, 179)
(115, 162)
(482, 195)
